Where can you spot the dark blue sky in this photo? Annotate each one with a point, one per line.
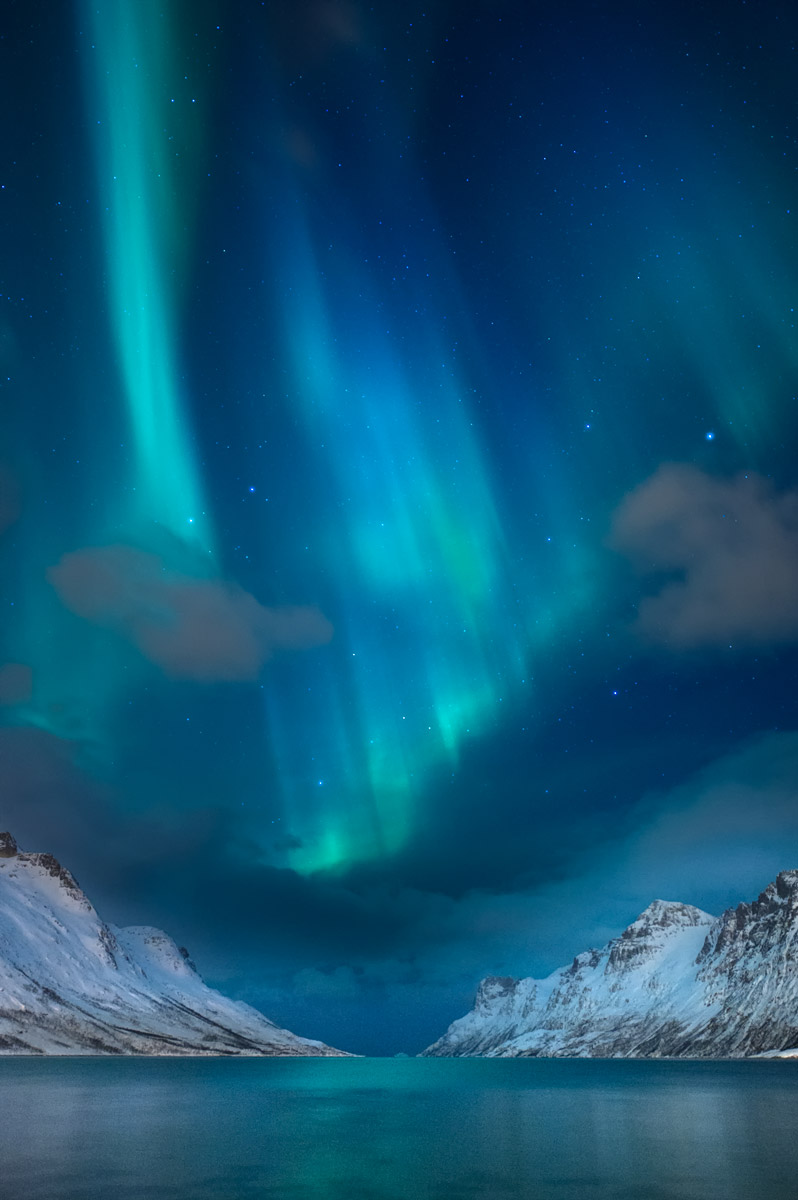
(398, 506)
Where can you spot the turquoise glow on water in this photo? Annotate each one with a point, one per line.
(388, 1129)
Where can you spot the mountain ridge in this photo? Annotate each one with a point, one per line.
(677, 982)
(70, 983)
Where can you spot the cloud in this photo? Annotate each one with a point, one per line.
(16, 684)
(732, 547)
(192, 628)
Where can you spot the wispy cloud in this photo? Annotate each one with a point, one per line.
(192, 628)
(729, 549)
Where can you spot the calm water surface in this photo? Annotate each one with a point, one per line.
(397, 1129)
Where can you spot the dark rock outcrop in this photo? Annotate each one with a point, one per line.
(8, 846)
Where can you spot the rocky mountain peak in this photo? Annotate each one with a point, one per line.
(787, 884)
(8, 846)
(641, 941)
(779, 898)
(664, 915)
(50, 864)
(493, 988)
(588, 959)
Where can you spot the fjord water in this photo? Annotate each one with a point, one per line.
(397, 1129)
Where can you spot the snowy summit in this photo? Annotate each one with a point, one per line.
(71, 984)
(676, 983)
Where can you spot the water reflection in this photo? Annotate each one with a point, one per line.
(82, 1129)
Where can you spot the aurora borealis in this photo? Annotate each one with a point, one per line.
(129, 68)
(397, 487)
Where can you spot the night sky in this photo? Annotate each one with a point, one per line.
(398, 488)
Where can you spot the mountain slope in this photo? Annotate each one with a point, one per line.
(71, 984)
(676, 983)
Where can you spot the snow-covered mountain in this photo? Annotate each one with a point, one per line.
(71, 984)
(676, 983)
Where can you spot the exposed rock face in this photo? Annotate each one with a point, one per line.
(53, 867)
(676, 983)
(8, 847)
(71, 984)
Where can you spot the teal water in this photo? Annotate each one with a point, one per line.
(396, 1129)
